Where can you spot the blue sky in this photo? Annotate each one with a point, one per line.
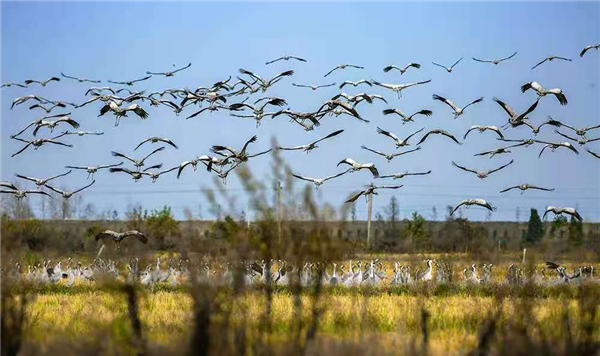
(123, 40)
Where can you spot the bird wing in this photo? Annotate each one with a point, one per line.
(336, 175)
(308, 179)
(372, 150)
(484, 204)
(354, 197)
(458, 206)
(405, 152)
(509, 57)
(106, 234)
(335, 133)
(153, 152)
(390, 67)
(168, 141)
(474, 127)
(411, 135)
(141, 143)
(331, 71)
(481, 60)
(506, 108)
(58, 176)
(56, 190)
(447, 134)
(87, 186)
(374, 171)
(25, 177)
(425, 137)
(393, 111)
(156, 166)
(463, 168)
(108, 165)
(580, 54)
(540, 63)
(182, 68)
(540, 188)
(137, 234)
(304, 86)
(593, 153)
(473, 102)
(510, 188)
(118, 154)
(287, 73)
(501, 167)
(566, 136)
(439, 65)
(251, 140)
(445, 101)
(461, 58)
(387, 133)
(8, 185)
(142, 79)
(260, 153)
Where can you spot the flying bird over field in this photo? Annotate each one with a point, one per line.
(38, 143)
(343, 66)
(403, 69)
(371, 189)
(67, 195)
(194, 163)
(266, 84)
(20, 194)
(482, 129)
(483, 174)
(553, 146)
(130, 82)
(389, 156)
(469, 202)
(137, 163)
(448, 69)
(439, 132)
(119, 236)
(524, 187)
(307, 148)
(8, 85)
(587, 48)
(39, 182)
(457, 111)
(356, 83)
(398, 87)
(42, 82)
(359, 166)
(91, 170)
(541, 91)
(405, 174)
(398, 141)
(320, 181)
(285, 58)
(155, 140)
(313, 87)
(80, 80)
(550, 59)
(558, 211)
(405, 118)
(171, 73)
(494, 61)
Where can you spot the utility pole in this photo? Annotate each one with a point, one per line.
(248, 214)
(278, 188)
(369, 212)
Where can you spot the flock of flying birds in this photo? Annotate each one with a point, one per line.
(221, 96)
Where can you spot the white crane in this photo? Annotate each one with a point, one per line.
(497, 151)
(524, 187)
(320, 181)
(494, 61)
(483, 128)
(265, 84)
(587, 48)
(457, 111)
(194, 163)
(389, 156)
(405, 174)
(515, 119)
(39, 182)
(171, 73)
(313, 87)
(20, 100)
(67, 195)
(553, 146)
(483, 174)
(405, 118)
(119, 236)
(439, 132)
(137, 163)
(80, 80)
(91, 170)
(359, 166)
(356, 83)
(38, 143)
(403, 69)
(550, 59)
(333, 104)
(541, 91)
(42, 82)
(399, 142)
(469, 202)
(579, 131)
(398, 87)
(156, 139)
(448, 69)
(130, 82)
(371, 189)
(51, 124)
(558, 211)
(155, 175)
(343, 66)
(308, 147)
(286, 58)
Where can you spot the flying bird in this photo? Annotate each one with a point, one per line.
(438, 132)
(38, 143)
(482, 174)
(194, 163)
(495, 61)
(550, 59)
(8, 85)
(524, 187)
(155, 175)
(359, 166)
(553, 146)
(67, 195)
(20, 194)
(286, 58)
(515, 119)
(47, 110)
(135, 175)
(405, 118)
(119, 236)
(558, 211)
(80, 80)
(399, 142)
(155, 140)
(371, 189)
(320, 181)
(265, 84)
(482, 129)
(587, 48)
(20, 100)
(131, 82)
(83, 133)
(403, 69)
(480, 202)
(343, 66)
(137, 163)
(448, 69)
(309, 147)
(42, 82)
(356, 83)
(581, 140)
(398, 87)
(8, 185)
(313, 87)
(333, 104)
(389, 156)
(541, 91)
(404, 174)
(171, 73)
(593, 153)
(457, 111)
(44, 122)
(91, 170)
(497, 151)
(39, 182)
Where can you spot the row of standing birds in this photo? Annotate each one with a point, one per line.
(224, 159)
(359, 274)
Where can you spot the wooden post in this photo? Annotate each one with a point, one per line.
(369, 212)
(524, 253)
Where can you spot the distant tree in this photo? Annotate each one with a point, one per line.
(558, 225)
(518, 214)
(535, 228)
(416, 229)
(449, 216)
(160, 225)
(434, 213)
(575, 231)
(392, 215)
